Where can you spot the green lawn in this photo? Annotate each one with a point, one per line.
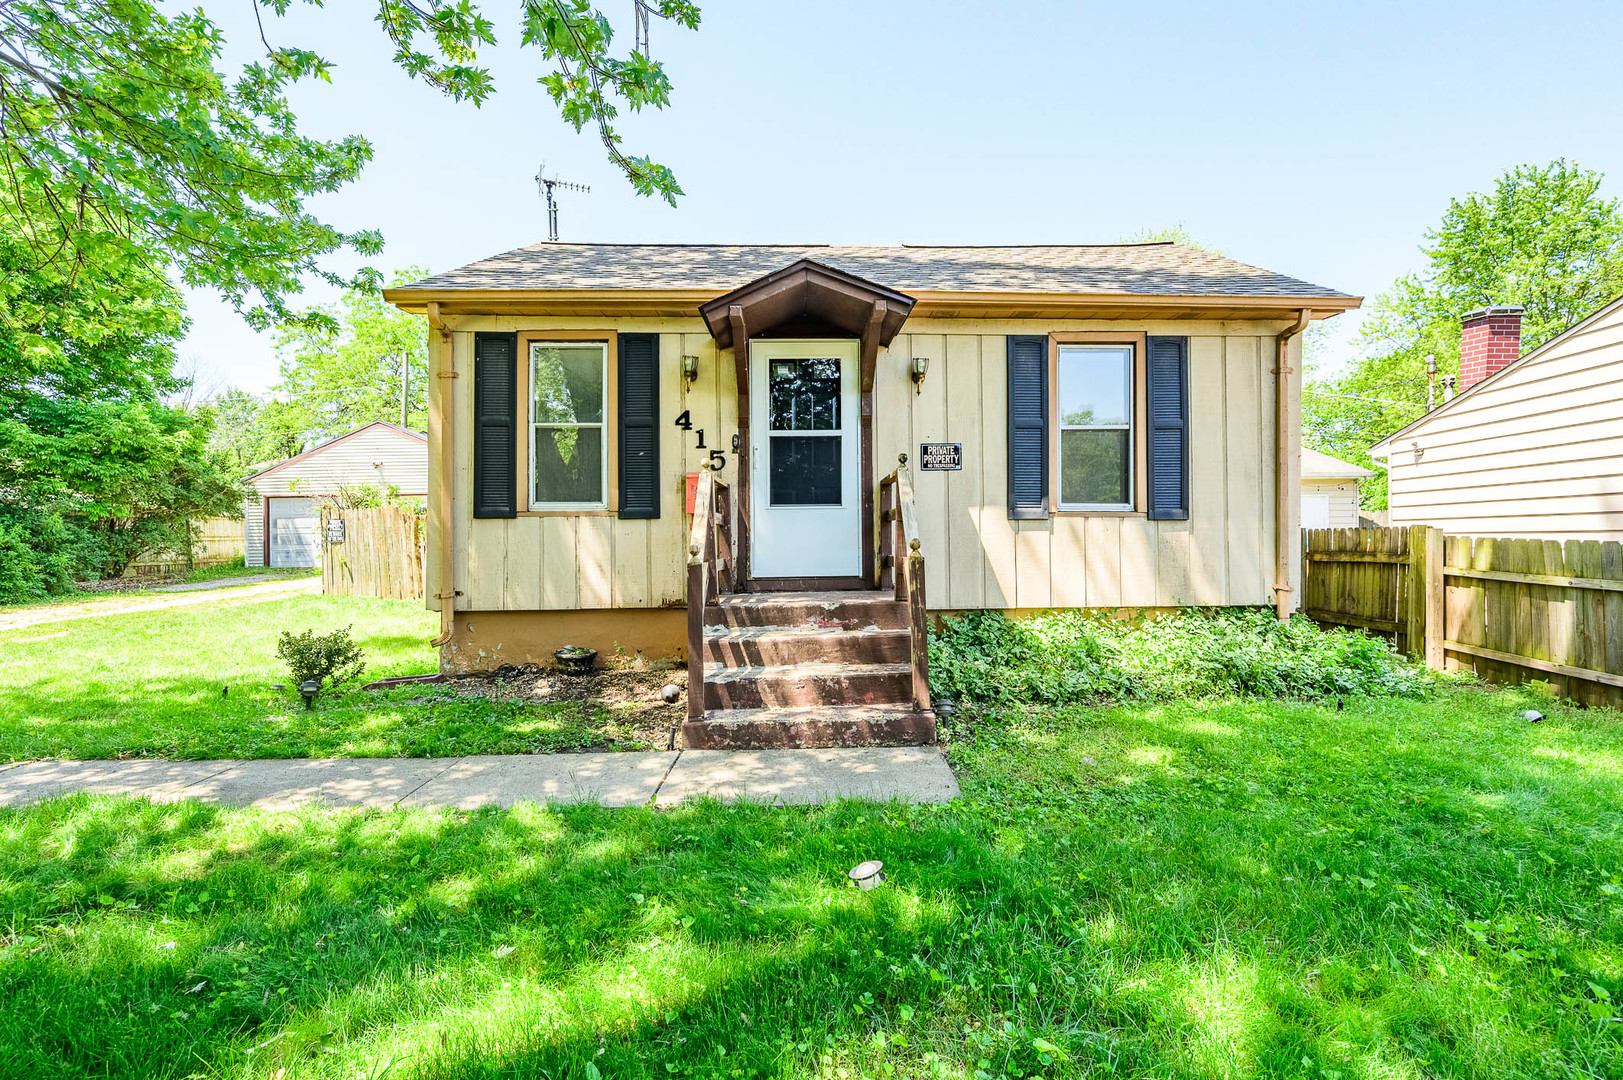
(150, 588)
(1401, 890)
(194, 682)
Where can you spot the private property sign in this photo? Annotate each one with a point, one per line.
(940, 456)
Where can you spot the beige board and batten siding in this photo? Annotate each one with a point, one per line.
(379, 454)
(1537, 452)
(975, 556)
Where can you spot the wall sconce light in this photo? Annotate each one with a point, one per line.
(921, 364)
(690, 368)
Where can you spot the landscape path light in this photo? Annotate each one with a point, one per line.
(308, 689)
(867, 874)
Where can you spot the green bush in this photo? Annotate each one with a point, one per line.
(42, 554)
(1068, 656)
(330, 659)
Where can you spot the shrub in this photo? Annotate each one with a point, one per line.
(41, 554)
(1068, 656)
(331, 659)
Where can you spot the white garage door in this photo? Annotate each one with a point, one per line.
(293, 526)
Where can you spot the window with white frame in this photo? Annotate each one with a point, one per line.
(568, 432)
(1094, 391)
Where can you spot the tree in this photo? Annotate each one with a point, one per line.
(1544, 238)
(1170, 234)
(334, 381)
(122, 141)
(94, 466)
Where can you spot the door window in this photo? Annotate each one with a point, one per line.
(803, 414)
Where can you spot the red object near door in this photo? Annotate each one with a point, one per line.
(693, 491)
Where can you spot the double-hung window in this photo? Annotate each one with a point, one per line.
(1094, 398)
(568, 432)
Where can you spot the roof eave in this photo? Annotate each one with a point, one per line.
(929, 303)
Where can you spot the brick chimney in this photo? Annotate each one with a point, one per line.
(1489, 340)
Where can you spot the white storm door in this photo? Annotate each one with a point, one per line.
(293, 525)
(805, 490)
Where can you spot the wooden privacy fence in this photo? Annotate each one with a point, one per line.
(1509, 609)
(377, 551)
(214, 541)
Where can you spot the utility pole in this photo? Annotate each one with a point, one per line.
(1431, 381)
(405, 385)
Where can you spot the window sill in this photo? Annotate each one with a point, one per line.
(1079, 511)
(568, 511)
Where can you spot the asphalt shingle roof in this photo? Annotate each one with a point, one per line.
(1126, 269)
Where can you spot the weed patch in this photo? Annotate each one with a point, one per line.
(1060, 657)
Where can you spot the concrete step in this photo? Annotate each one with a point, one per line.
(790, 685)
(774, 646)
(828, 610)
(827, 725)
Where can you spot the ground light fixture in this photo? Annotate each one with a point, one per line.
(308, 689)
(867, 874)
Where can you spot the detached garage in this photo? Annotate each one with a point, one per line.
(1330, 491)
(283, 511)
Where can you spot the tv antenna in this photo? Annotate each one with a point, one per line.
(545, 185)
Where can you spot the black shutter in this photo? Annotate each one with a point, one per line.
(1167, 372)
(495, 425)
(639, 425)
(1028, 426)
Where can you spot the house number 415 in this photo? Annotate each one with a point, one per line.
(717, 458)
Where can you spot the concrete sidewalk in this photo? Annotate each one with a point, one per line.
(908, 773)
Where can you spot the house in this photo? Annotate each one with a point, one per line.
(1106, 426)
(1330, 491)
(377, 456)
(1529, 448)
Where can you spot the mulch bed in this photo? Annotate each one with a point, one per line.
(632, 696)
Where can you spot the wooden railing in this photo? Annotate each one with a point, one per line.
(899, 532)
(710, 573)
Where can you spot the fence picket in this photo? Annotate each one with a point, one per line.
(1509, 609)
(382, 554)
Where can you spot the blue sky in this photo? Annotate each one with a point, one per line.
(1316, 141)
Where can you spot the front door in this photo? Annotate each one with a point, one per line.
(805, 486)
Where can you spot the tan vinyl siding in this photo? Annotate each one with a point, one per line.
(976, 556)
(380, 456)
(1536, 453)
(253, 532)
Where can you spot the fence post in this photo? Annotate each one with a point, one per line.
(1435, 616)
(1415, 616)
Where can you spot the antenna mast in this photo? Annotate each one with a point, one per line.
(545, 185)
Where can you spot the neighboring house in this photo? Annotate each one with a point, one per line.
(1530, 447)
(288, 495)
(1330, 491)
(1120, 443)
